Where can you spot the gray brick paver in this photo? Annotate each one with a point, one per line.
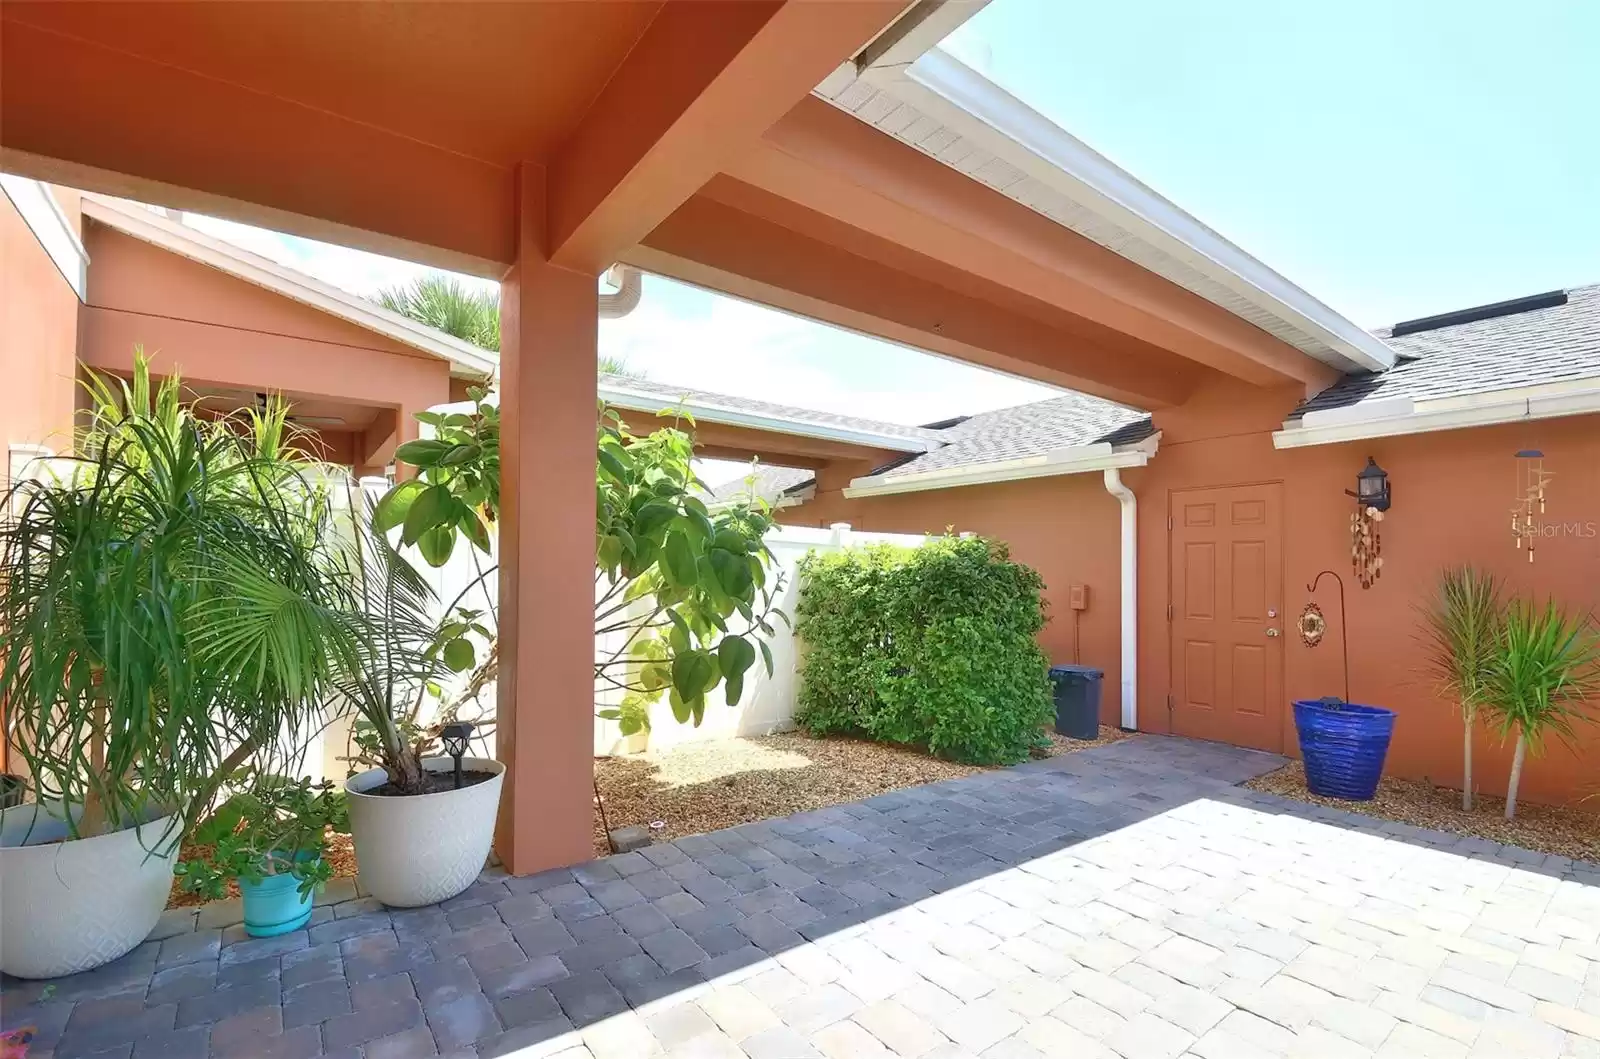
(1124, 901)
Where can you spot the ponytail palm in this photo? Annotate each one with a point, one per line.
(167, 610)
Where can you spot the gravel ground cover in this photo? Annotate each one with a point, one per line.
(1542, 828)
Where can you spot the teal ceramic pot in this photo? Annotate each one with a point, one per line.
(274, 906)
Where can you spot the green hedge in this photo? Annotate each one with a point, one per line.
(931, 647)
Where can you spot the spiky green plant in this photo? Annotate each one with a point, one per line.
(166, 608)
(1545, 669)
(1461, 627)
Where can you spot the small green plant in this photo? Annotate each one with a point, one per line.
(1462, 628)
(1543, 672)
(930, 647)
(273, 826)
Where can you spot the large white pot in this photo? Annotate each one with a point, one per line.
(73, 904)
(423, 848)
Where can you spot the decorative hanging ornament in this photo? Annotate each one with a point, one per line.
(1366, 547)
(1312, 625)
(1532, 481)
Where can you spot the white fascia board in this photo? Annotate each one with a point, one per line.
(184, 241)
(712, 413)
(42, 214)
(1079, 459)
(1450, 413)
(943, 87)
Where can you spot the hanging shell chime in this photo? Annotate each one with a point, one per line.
(1366, 546)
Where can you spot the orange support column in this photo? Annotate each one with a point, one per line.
(544, 724)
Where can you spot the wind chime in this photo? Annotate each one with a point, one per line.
(1531, 481)
(1372, 500)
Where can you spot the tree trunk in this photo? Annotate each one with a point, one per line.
(1466, 763)
(94, 819)
(405, 770)
(1516, 775)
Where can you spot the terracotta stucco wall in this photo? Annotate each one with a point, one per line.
(1453, 492)
(222, 331)
(1065, 528)
(38, 337)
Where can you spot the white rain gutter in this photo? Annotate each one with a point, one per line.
(1130, 596)
(634, 400)
(1400, 416)
(1075, 459)
(945, 89)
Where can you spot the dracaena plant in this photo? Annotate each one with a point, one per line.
(167, 608)
(682, 593)
(1461, 632)
(1546, 668)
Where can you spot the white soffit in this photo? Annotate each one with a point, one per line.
(949, 111)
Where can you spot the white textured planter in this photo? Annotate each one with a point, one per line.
(73, 905)
(424, 848)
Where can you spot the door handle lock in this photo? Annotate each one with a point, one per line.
(1272, 632)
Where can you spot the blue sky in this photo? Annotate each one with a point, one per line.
(1394, 157)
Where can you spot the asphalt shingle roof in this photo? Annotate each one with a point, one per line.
(770, 484)
(1030, 430)
(664, 392)
(1524, 349)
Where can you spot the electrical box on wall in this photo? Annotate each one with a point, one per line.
(1078, 597)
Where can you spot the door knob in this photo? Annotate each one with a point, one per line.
(1272, 632)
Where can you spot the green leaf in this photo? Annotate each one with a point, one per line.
(391, 510)
(459, 655)
(437, 544)
(766, 655)
(735, 655)
(474, 529)
(735, 689)
(681, 566)
(613, 465)
(459, 454)
(431, 507)
(424, 452)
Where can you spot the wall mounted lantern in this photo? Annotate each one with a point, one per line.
(456, 737)
(1372, 486)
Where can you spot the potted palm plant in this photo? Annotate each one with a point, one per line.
(270, 839)
(165, 611)
(422, 828)
(1546, 666)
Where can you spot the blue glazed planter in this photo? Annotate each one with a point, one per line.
(1343, 745)
(274, 906)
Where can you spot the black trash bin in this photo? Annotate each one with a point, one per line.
(1077, 701)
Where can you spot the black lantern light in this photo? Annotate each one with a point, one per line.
(1372, 486)
(455, 737)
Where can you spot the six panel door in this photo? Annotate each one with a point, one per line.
(1227, 615)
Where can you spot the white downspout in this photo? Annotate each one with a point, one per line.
(629, 282)
(1130, 596)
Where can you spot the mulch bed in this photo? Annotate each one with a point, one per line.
(1541, 828)
(699, 787)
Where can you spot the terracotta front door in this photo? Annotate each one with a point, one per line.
(1227, 615)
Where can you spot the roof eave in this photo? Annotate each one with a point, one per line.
(1075, 459)
(621, 397)
(1402, 416)
(940, 85)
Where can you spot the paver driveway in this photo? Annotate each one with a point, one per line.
(1123, 901)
